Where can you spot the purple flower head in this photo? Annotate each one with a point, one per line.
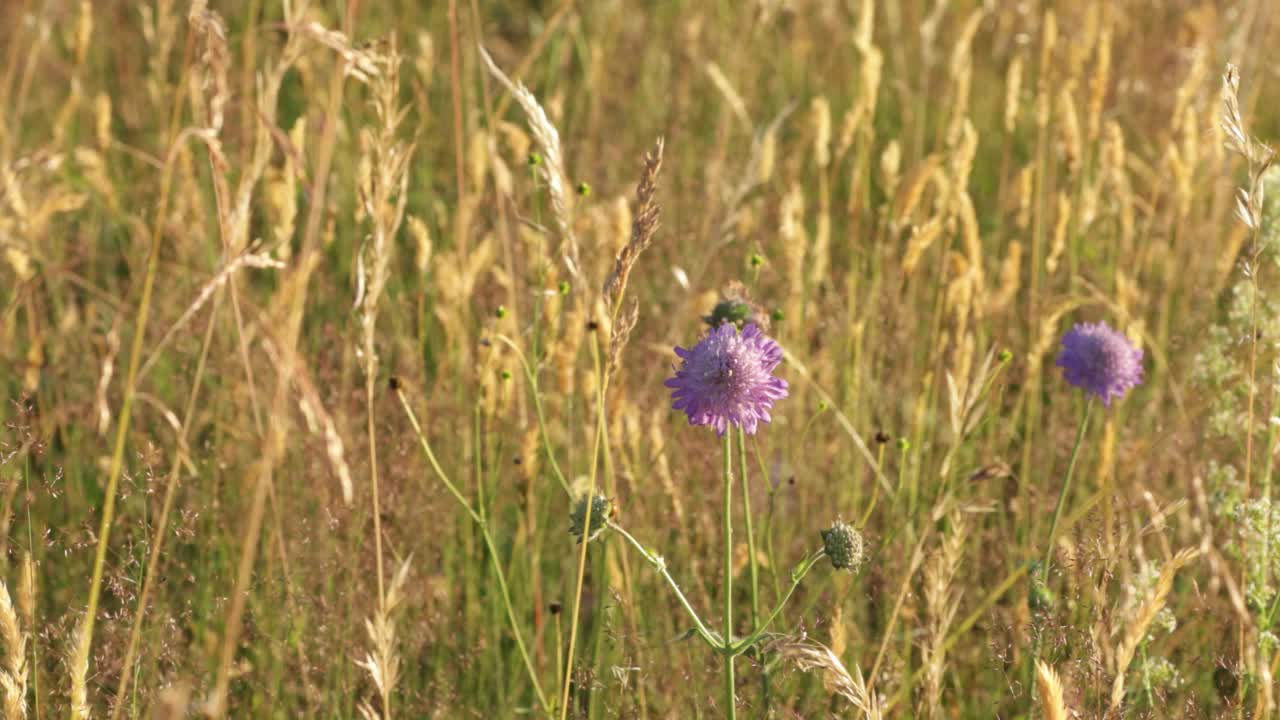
(1100, 361)
(727, 378)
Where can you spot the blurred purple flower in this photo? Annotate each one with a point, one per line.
(727, 379)
(1100, 361)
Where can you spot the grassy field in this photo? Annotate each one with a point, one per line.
(320, 323)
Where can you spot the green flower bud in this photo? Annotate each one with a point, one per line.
(501, 312)
(584, 190)
(844, 546)
(1039, 596)
(1004, 356)
(535, 159)
(601, 508)
(734, 311)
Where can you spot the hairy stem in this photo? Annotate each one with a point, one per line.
(729, 703)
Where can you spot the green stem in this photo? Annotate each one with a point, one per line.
(586, 525)
(537, 407)
(741, 646)
(730, 712)
(660, 565)
(751, 537)
(1053, 533)
(751, 552)
(1066, 489)
(488, 541)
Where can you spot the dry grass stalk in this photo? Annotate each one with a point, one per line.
(890, 167)
(820, 116)
(552, 157)
(1062, 222)
(644, 225)
(620, 334)
(14, 675)
(1012, 94)
(78, 672)
(912, 188)
(730, 94)
(384, 179)
(1099, 81)
(795, 244)
(382, 662)
(1048, 43)
(319, 421)
(1070, 144)
(1138, 625)
(357, 62)
(960, 68)
(942, 602)
(808, 655)
(1049, 687)
(1002, 296)
(662, 466)
(245, 260)
(922, 238)
(758, 170)
(215, 61)
(1257, 155)
(104, 379)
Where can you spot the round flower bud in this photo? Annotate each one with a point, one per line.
(1039, 597)
(844, 546)
(601, 508)
(730, 311)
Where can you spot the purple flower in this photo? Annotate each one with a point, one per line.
(727, 378)
(1100, 360)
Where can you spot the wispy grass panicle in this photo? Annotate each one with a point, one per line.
(645, 220)
(382, 661)
(809, 655)
(1049, 688)
(553, 167)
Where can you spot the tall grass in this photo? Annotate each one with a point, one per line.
(227, 229)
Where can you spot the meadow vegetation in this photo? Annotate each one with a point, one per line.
(335, 340)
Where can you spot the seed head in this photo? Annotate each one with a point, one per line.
(844, 546)
(601, 508)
